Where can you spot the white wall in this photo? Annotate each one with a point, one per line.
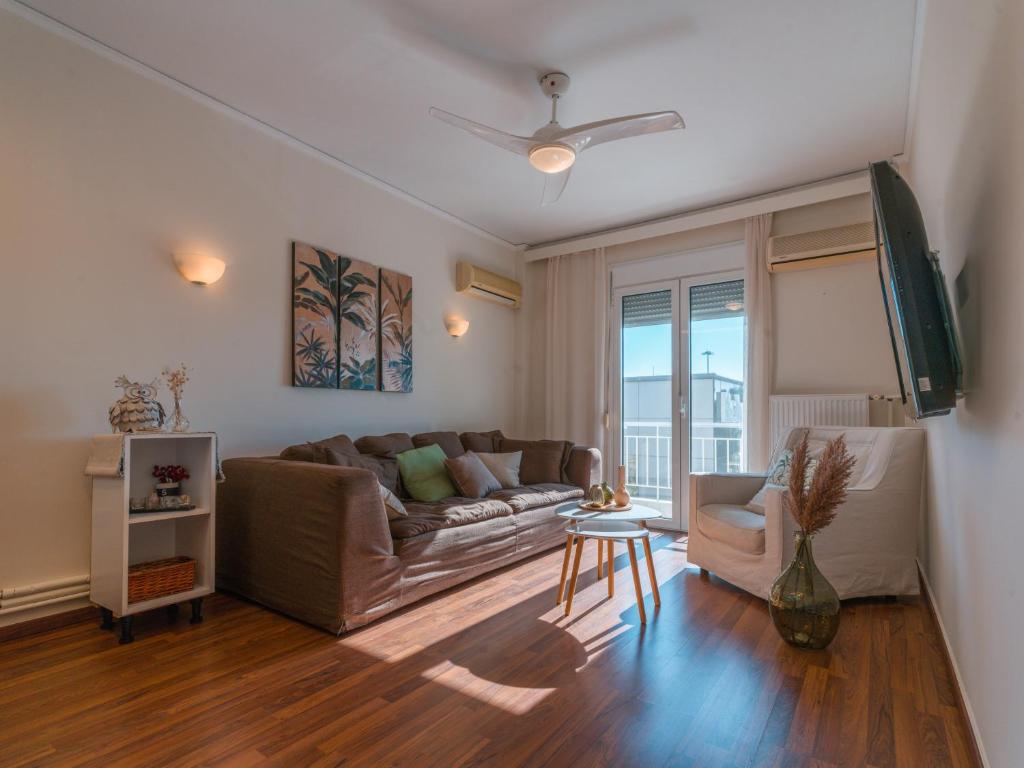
(967, 170)
(105, 173)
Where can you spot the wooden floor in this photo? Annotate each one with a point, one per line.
(492, 674)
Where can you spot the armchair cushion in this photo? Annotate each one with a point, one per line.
(735, 526)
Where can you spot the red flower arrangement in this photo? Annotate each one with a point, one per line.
(172, 473)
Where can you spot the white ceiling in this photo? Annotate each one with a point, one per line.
(774, 94)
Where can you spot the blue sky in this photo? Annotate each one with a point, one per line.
(647, 350)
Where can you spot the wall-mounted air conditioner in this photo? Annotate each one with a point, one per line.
(487, 285)
(823, 248)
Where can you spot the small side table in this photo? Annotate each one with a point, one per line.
(637, 513)
(611, 531)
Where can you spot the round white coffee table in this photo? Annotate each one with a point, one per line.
(611, 531)
(638, 515)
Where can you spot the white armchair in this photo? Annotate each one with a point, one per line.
(869, 549)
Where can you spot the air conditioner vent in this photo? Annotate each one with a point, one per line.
(479, 282)
(855, 242)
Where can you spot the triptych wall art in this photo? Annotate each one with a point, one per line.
(351, 323)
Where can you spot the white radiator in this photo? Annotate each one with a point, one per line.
(786, 411)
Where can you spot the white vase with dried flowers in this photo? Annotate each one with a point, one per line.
(176, 379)
(802, 603)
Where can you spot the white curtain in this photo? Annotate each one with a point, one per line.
(566, 355)
(760, 370)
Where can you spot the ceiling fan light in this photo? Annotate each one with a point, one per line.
(552, 158)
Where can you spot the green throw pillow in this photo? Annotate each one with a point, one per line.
(424, 475)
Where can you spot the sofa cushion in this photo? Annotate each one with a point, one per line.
(450, 513)
(424, 475)
(386, 470)
(449, 442)
(481, 442)
(740, 528)
(544, 461)
(309, 451)
(385, 446)
(539, 495)
(471, 478)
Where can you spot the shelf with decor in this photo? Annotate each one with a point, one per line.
(152, 551)
(155, 515)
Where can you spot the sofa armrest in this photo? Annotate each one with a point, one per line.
(310, 540)
(584, 467)
(736, 488)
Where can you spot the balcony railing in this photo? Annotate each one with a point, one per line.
(647, 455)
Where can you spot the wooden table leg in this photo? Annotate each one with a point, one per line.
(575, 574)
(650, 571)
(600, 557)
(611, 568)
(636, 581)
(565, 569)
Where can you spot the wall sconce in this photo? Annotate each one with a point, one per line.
(198, 268)
(457, 326)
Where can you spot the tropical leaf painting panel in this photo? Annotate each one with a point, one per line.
(357, 318)
(395, 331)
(314, 317)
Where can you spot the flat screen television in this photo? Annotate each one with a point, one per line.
(921, 322)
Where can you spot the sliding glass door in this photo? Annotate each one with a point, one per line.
(679, 395)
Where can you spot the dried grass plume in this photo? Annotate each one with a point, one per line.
(814, 507)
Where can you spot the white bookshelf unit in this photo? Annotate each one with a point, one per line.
(121, 539)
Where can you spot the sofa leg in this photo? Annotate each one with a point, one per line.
(704, 573)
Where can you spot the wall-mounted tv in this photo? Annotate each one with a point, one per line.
(921, 322)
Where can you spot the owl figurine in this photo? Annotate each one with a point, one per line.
(137, 410)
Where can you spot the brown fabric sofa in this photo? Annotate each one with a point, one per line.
(307, 534)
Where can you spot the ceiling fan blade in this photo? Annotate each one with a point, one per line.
(520, 145)
(554, 184)
(581, 137)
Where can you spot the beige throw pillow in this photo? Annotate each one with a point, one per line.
(471, 477)
(504, 466)
(778, 477)
(392, 504)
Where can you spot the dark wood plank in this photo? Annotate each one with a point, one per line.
(493, 674)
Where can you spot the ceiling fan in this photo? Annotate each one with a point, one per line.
(552, 149)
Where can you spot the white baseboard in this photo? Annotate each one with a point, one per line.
(968, 709)
(21, 602)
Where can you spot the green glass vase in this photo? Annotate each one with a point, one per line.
(803, 605)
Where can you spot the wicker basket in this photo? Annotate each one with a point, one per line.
(148, 581)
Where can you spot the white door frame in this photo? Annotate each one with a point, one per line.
(680, 462)
(676, 521)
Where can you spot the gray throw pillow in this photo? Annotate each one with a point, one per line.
(471, 477)
(504, 467)
(392, 504)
